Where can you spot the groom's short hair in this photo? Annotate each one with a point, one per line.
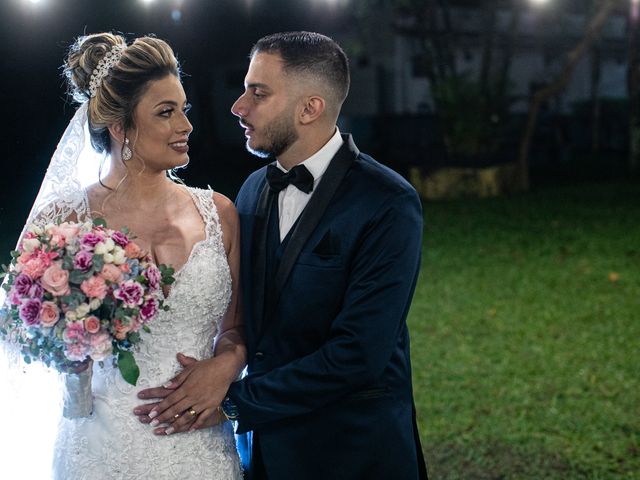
(310, 54)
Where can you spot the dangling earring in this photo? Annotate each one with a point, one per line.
(126, 151)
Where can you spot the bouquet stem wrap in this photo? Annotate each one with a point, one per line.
(78, 400)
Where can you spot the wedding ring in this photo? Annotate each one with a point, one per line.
(192, 412)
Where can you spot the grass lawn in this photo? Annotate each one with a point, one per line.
(525, 331)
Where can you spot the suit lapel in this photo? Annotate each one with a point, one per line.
(314, 210)
(263, 211)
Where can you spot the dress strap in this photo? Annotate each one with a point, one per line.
(203, 198)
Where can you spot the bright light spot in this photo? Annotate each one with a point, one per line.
(147, 1)
(176, 15)
(539, 2)
(34, 1)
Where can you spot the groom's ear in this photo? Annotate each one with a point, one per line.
(312, 109)
(117, 131)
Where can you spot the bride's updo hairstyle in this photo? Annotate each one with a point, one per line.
(118, 93)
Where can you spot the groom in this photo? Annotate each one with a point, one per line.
(331, 243)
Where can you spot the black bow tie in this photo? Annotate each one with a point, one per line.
(298, 176)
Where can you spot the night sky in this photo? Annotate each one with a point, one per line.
(209, 34)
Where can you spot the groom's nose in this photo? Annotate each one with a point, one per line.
(238, 108)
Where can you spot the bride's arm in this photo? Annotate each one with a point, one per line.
(230, 340)
(202, 385)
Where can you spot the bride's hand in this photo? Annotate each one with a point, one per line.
(190, 400)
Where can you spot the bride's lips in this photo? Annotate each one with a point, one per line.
(180, 147)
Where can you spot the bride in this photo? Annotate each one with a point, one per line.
(133, 103)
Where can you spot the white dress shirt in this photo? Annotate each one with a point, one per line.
(292, 201)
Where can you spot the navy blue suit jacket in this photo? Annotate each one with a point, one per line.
(328, 391)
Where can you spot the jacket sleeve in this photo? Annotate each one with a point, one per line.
(364, 333)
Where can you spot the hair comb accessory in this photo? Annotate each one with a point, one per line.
(104, 65)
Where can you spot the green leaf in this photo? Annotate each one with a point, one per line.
(146, 328)
(77, 277)
(98, 262)
(128, 367)
(100, 222)
(134, 337)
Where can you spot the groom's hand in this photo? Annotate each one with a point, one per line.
(190, 399)
(142, 411)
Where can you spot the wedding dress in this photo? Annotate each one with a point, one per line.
(112, 443)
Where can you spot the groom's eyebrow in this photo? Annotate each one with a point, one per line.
(257, 85)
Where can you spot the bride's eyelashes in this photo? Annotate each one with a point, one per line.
(169, 111)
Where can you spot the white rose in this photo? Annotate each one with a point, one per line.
(95, 303)
(118, 256)
(82, 310)
(30, 244)
(100, 248)
(109, 244)
(71, 316)
(35, 229)
(108, 258)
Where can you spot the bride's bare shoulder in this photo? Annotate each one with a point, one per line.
(225, 207)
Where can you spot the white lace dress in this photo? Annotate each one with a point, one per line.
(112, 443)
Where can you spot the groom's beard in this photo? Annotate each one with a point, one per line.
(277, 137)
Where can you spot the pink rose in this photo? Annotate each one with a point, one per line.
(111, 273)
(49, 314)
(133, 250)
(130, 292)
(121, 329)
(25, 257)
(135, 324)
(74, 332)
(100, 346)
(153, 275)
(58, 240)
(56, 280)
(83, 260)
(66, 230)
(34, 268)
(94, 287)
(29, 312)
(76, 352)
(89, 240)
(149, 309)
(92, 324)
(120, 238)
(125, 268)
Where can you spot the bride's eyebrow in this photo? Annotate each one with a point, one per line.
(167, 102)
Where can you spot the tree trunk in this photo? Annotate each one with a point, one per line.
(633, 78)
(595, 98)
(557, 86)
(490, 14)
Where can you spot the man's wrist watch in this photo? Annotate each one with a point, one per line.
(229, 409)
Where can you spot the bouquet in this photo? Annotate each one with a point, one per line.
(80, 291)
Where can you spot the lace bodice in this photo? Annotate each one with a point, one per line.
(112, 443)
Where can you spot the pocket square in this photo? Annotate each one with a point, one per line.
(326, 246)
